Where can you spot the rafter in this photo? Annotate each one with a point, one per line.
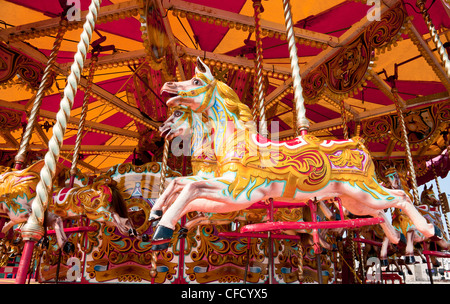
(218, 14)
(92, 149)
(428, 55)
(50, 26)
(74, 122)
(348, 36)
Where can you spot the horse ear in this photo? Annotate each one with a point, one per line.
(203, 69)
(201, 66)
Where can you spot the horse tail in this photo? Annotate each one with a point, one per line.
(117, 200)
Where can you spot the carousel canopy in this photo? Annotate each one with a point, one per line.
(350, 55)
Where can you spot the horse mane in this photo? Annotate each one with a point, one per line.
(234, 105)
(117, 200)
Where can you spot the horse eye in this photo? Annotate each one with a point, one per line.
(196, 81)
(177, 114)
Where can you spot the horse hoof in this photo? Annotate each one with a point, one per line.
(182, 233)
(384, 263)
(437, 233)
(155, 216)
(162, 235)
(69, 248)
(160, 247)
(409, 260)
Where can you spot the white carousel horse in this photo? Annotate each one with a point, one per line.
(404, 223)
(254, 169)
(188, 125)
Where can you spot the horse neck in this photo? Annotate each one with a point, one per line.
(224, 124)
(200, 135)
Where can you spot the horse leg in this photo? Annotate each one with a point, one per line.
(56, 223)
(123, 224)
(384, 252)
(11, 224)
(214, 192)
(175, 186)
(366, 206)
(409, 250)
(418, 220)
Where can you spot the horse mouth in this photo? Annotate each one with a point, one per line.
(164, 133)
(171, 95)
(168, 93)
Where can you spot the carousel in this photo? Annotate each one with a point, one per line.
(245, 141)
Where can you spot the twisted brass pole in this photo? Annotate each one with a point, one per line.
(435, 37)
(344, 120)
(302, 123)
(84, 109)
(43, 86)
(409, 159)
(259, 69)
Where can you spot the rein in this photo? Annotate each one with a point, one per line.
(208, 89)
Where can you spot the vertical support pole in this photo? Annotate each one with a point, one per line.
(43, 86)
(434, 36)
(302, 124)
(259, 69)
(24, 264)
(84, 109)
(33, 230)
(409, 159)
(440, 193)
(316, 245)
(427, 257)
(344, 120)
(247, 262)
(270, 243)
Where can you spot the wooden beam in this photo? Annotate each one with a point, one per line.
(123, 57)
(100, 93)
(10, 139)
(172, 43)
(203, 10)
(316, 61)
(428, 55)
(382, 110)
(75, 122)
(93, 149)
(50, 26)
(240, 61)
(80, 162)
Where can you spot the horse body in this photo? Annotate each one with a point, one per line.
(17, 190)
(251, 168)
(97, 202)
(405, 225)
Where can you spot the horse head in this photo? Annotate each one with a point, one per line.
(178, 124)
(393, 178)
(196, 93)
(428, 198)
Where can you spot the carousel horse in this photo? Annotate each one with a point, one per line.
(254, 169)
(188, 125)
(100, 202)
(17, 190)
(404, 224)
